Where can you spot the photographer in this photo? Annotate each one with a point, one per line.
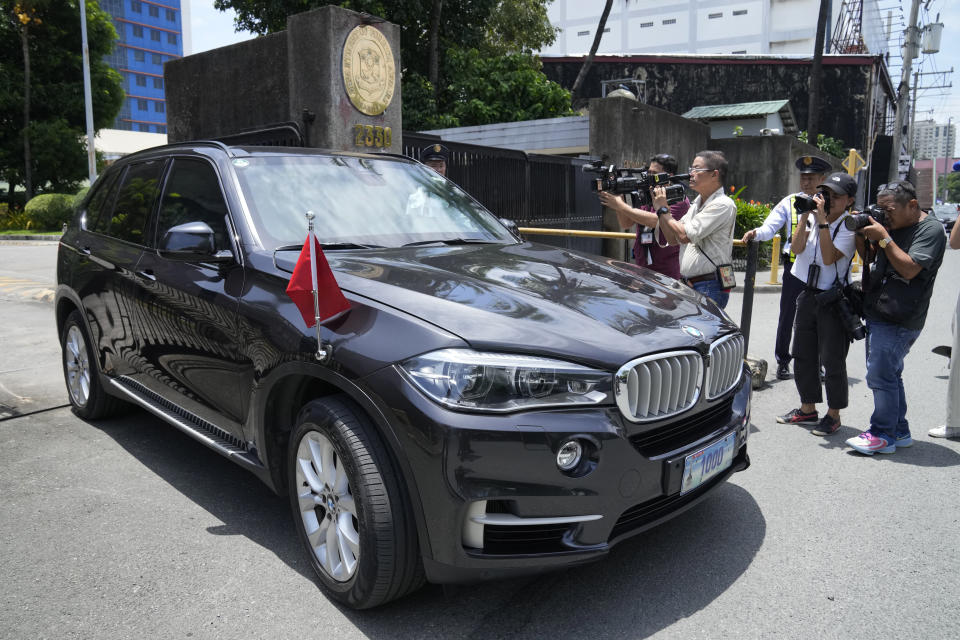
(784, 215)
(651, 251)
(706, 229)
(909, 248)
(824, 248)
(952, 427)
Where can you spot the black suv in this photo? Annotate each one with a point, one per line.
(492, 407)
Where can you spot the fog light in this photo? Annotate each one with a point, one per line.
(569, 454)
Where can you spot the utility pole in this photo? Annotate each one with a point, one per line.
(87, 98)
(911, 143)
(911, 49)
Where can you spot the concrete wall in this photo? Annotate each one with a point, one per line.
(283, 76)
(227, 90)
(679, 83)
(627, 133)
(765, 164)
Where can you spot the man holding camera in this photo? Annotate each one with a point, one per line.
(812, 172)
(824, 250)
(909, 248)
(706, 230)
(650, 249)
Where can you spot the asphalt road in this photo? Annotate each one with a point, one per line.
(127, 528)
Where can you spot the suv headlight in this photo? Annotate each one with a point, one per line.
(499, 382)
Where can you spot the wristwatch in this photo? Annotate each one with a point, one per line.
(663, 210)
(884, 241)
(823, 226)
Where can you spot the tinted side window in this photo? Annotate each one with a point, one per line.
(101, 203)
(192, 194)
(138, 193)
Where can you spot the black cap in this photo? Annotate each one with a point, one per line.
(434, 152)
(812, 164)
(840, 183)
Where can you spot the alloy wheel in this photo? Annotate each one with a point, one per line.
(77, 365)
(328, 511)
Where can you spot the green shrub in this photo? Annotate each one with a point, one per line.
(12, 218)
(750, 215)
(49, 211)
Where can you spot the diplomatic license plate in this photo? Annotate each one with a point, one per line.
(704, 464)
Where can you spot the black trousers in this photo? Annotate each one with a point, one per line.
(819, 338)
(789, 291)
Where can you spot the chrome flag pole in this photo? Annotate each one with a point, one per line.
(323, 352)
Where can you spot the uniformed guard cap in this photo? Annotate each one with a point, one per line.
(812, 164)
(434, 151)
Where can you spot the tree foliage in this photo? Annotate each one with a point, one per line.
(485, 69)
(57, 116)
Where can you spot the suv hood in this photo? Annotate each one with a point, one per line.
(534, 299)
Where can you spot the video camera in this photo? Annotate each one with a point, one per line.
(857, 221)
(636, 182)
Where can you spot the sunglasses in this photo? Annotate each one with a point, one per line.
(898, 187)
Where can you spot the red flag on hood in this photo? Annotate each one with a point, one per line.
(305, 279)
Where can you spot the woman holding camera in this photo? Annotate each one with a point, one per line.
(824, 248)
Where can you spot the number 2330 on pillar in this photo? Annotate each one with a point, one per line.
(366, 135)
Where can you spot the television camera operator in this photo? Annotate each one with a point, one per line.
(908, 247)
(650, 249)
(824, 325)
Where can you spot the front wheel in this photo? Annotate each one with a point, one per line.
(350, 508)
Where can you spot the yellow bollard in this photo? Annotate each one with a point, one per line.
(775, 260)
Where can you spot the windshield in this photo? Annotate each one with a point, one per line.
(360, 201)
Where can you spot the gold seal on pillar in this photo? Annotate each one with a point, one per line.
(368, 70)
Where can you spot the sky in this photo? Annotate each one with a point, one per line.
(212, 28)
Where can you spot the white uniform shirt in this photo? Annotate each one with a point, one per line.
(709, 226)
(781, 215)
(844, 241)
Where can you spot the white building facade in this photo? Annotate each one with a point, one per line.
(704, 26)
(933, 140)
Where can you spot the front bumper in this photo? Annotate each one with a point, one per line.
(502, 471)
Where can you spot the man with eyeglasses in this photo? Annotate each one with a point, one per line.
(650, 249)
(706, 230)
(813, 170)
(909, 248)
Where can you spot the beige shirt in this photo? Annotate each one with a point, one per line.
(709, 226)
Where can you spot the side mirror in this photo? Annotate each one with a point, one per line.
(192, 242)
(511, 227)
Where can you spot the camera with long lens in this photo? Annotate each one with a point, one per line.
(636, 182)
(803, 203)
(848, 319)
(857, 221)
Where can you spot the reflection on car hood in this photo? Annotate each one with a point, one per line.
(534, 298)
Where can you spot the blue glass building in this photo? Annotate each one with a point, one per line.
(150, 33)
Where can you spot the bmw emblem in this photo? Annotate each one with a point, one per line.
(693, 332)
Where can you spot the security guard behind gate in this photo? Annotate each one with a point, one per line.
(813, 170)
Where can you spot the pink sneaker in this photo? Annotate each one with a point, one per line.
(870, 444)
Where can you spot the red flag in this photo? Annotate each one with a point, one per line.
(305, 279)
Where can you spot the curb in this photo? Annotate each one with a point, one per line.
(30, 237)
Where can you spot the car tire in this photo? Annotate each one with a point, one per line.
(350, 507)
(80, 372)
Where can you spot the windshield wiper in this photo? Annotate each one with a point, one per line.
(450, 242)
(330, 245)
